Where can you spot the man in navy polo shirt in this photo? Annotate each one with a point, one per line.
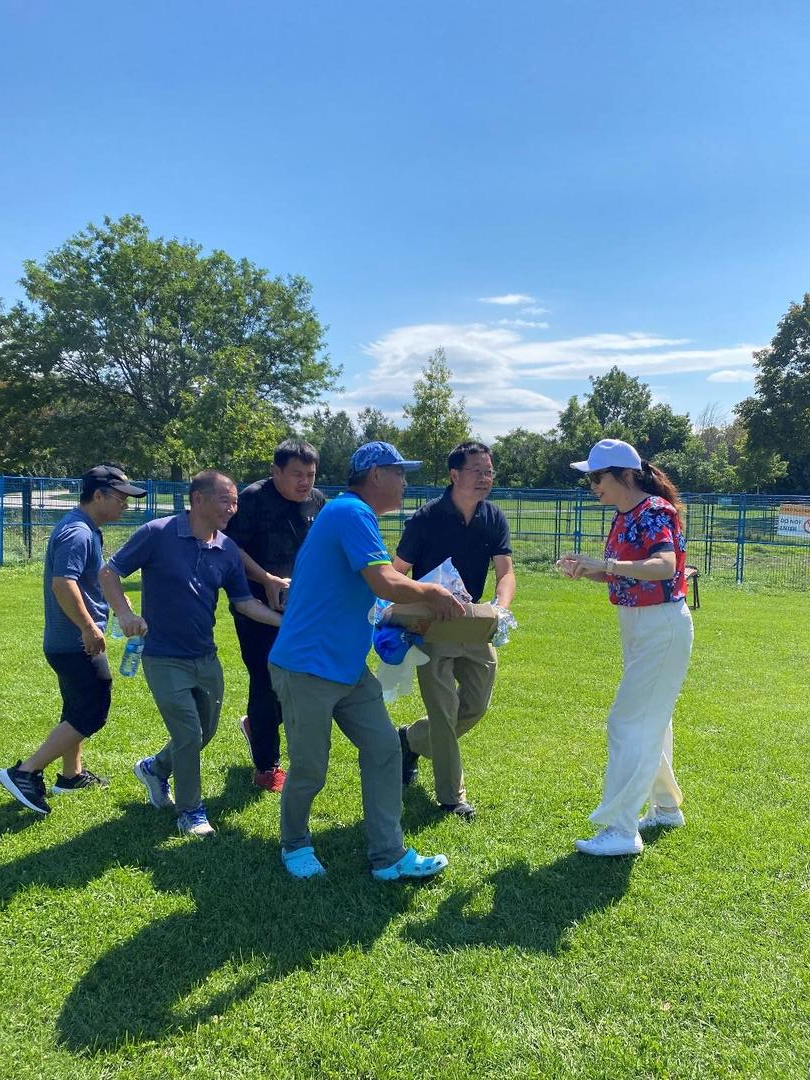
(318, 666)
(184, 561)
(457, 683)
(74, 643)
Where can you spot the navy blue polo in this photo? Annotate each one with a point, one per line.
(74, 553)
(180, 581)
(438, 531)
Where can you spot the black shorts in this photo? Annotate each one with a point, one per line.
(85, 684)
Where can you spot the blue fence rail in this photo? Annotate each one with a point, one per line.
(733, 537)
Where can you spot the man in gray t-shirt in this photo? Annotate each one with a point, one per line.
(74, 642)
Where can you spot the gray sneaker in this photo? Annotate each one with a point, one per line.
(195, 822)
(156, 787)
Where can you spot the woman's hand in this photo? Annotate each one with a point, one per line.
(579, 566)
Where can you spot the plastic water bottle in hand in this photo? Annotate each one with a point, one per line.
(131, 660)
(115, 628)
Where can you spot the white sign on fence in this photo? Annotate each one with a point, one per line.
(794, 520)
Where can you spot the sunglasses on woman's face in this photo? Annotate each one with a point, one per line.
(596, 477)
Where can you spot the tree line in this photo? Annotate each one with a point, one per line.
(149, 351)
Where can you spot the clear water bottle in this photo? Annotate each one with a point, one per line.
(131, 660)
(115, 627)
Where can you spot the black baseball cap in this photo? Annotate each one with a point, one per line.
(108, 476)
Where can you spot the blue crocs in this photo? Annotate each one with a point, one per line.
(411, 865)
(302, 862)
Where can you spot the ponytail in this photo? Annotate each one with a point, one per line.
(656, 482)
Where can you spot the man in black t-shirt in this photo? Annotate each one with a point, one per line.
(269, 527)
(457, 682)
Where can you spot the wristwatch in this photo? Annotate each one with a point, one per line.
(610, 567)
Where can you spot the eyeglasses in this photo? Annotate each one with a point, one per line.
(483, 474)
(121, 499)
(596, 477)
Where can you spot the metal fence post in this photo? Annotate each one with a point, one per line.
(2, 515)
(151, 500)
(26, 503)
(578, 523)
(740, 563)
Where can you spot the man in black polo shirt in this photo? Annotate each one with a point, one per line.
(271, 524)
(457, 683)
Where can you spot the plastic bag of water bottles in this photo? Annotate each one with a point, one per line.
(506, 623)
(445, 575)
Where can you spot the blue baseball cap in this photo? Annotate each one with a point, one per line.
(381, 454)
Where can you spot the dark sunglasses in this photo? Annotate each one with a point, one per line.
(596, 477)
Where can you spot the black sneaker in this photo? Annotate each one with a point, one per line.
(410, 770)
(463, 810)
(84, 779)
(26, 787)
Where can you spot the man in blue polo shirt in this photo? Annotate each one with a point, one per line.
(74, 642)
(184, 561)
(457, 683)
(318, 666)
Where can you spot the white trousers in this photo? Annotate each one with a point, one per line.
(656, 646)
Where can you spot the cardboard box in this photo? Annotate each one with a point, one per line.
(476, 626)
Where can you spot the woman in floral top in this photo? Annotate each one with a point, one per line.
(643, 566)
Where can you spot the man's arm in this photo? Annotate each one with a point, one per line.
(505, 583)
(69, 597)
(259, 612)
(388, 583)
(271, 584)
(132, 625)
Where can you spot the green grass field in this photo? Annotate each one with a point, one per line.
(129, 952)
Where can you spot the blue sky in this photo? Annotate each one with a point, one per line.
(544, 189)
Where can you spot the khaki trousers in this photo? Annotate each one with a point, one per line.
(308, 706)
(188, 694)
(456, 688)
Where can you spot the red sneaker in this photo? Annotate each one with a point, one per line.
(271, 780)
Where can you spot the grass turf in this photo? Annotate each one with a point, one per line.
(130, 952)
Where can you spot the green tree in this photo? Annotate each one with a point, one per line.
(154, 343)
(621, 403)
(777, 416)
(335, 438)
(521, 458)
(373, 426)
(437, 421)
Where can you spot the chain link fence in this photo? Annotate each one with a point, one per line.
(762, 539)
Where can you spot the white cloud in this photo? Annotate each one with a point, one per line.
(507, 300)
(498, 367)
(534, 311)
(732, 375)
(524, 323)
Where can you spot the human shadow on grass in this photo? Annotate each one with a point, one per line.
(251, 922)
(532, 908)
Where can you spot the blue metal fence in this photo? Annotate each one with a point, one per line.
(732, 537)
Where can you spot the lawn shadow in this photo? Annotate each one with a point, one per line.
(247, 911)
(419, 810)
(14, 817)
(533, 908)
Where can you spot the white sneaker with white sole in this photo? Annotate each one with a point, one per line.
(611, 841)
(656, 817)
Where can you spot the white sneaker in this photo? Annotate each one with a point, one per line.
(656, 817)
(611, 841)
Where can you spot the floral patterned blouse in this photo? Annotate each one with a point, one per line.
(650, 527)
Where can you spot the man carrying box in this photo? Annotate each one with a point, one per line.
(457, 682)
(318, 666)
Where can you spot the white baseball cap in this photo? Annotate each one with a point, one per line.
(609, 454)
